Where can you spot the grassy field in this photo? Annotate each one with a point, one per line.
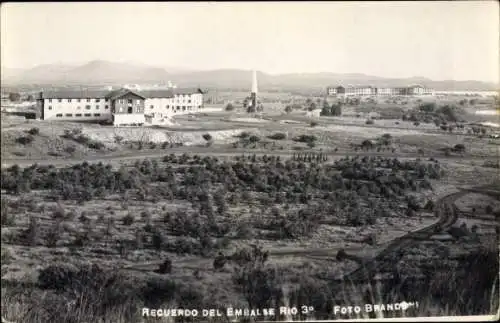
(97, 242)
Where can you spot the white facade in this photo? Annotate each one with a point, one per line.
(361, 91)
(415, 90)
(128, 119)
(88, 109)
(384, 91)
(179, 104)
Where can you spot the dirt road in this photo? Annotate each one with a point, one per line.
(123, 158)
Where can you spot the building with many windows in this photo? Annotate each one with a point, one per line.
(119, 107)
(413, 90)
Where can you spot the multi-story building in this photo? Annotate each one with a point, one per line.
(120, 107)
(416, 90)
(335, 90)
(360, 90)
(384, 91)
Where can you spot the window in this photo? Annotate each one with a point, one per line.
(87, 107)
(97, 107)
(69, 100)
(59, 100)
(106, 107)
(88, 100)
(106, 100)
(97, 100)
(167, 106)
(151, 106)
(78, 100)
(183, 108)
(50, 100)
(138, 101)
(78, 108)
(59, 115)
(69, 114)
(130, 101)
(178, 107)
(189, 101)
(120, 110)
(50, 107)
(97, 114)
(138, 109)
(87, 114)
(78, 115)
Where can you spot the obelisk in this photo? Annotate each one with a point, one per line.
(253, 93)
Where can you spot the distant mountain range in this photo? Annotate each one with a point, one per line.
(100, 72)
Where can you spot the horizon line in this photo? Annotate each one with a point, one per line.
(187, 70)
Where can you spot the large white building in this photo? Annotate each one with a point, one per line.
(413, 90)
(119, 107)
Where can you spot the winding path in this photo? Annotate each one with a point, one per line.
(447, 213)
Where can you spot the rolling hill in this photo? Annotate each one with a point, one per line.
(100, 72)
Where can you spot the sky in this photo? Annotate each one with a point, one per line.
(438, 40)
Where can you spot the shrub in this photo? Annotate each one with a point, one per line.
(305, 138)
(253, 138)
(314, 123)
(207, 137)
(277, 136)
(34, 131)
(369, 121)
(70, 149)
(459, 148)
(25, 140)
(229, 107)
(128, 219)
(7, 218)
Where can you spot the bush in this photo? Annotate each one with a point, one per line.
(7, 218)
(128, 219)
(277, 136)
(207, 137)
(229, 107)
(253, 138)
(369, 121)
(459, 148)
(70, 149)
(34, 131)
(314, 123)
(305, 138)
(24, 140)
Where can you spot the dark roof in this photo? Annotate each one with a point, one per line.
(75, 94)
(113, 95)
(83, 94)
(168, 93)
(188, 91)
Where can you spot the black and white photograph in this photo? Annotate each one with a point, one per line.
(250, 161)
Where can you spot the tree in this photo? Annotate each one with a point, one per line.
(14, 96)
(229, 107)
(250, 109)
(288, 109)
(459, 148)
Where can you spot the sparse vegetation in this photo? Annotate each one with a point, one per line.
(278, 136)
(179, 230)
